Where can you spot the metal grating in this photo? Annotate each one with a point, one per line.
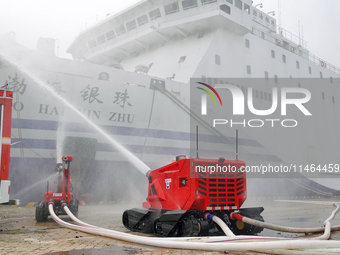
(221, 189)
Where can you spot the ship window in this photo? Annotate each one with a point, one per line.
(110, 35)
(270, 97)
(238, 4)
(297, 64)
(204, 79)
(200, 34)
(131, 25)
(262, 35)
(171, 8)
(273, 54)
(284, 58)
(247, 43)
(257, 93)
(261, 94)
(267, 19)
(255, 13)
(217, 59)
(276, 79)
(265, 96)
(310, 70)
(225, 8)
(321, 75)
(266, 75)
(120, 30)
(248, 69)
(323, 95)
(134, 53)
(187, 4)
(142, 20)
(104, 76)
(333, 99)
(208, 1)
(247, 8)
(182, 59)
(155, 14)
(92, 43)
(230, 1)
(210, 80)
(331, 79)
(101, 39)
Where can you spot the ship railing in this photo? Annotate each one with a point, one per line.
(324, 63)
(294, 48)
(291, 37)
(167, 11)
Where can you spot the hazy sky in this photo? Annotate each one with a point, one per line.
(64, 19)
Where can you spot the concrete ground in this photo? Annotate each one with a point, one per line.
(21, 234)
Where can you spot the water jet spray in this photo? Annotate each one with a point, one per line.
(141, 166)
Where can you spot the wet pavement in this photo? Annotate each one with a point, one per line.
(21, 234)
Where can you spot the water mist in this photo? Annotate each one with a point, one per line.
(141, 166)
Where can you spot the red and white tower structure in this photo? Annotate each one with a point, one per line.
(6, 98)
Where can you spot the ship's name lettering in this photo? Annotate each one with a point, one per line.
(90, 114)
(51, 110)
(121, 117)
(18, 106)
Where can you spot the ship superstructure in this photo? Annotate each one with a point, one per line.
(180, 39)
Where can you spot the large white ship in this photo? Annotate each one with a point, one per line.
(130, 75)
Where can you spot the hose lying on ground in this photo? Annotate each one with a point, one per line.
(185, 239)
(236, 216)
(237, 243)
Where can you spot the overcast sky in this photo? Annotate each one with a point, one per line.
(64, 19)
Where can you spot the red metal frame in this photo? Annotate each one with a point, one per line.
(6, 98)
(65, 194)
(186, 184)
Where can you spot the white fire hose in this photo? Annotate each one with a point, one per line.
(236, 216)
(230, 243)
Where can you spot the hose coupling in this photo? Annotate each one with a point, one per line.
(208, 216)
(62, 203)
(51, 201)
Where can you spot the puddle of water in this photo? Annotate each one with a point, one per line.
(116, 249)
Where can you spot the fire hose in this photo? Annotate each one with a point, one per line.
(236, 216)
(231, 243)
(216, 238)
